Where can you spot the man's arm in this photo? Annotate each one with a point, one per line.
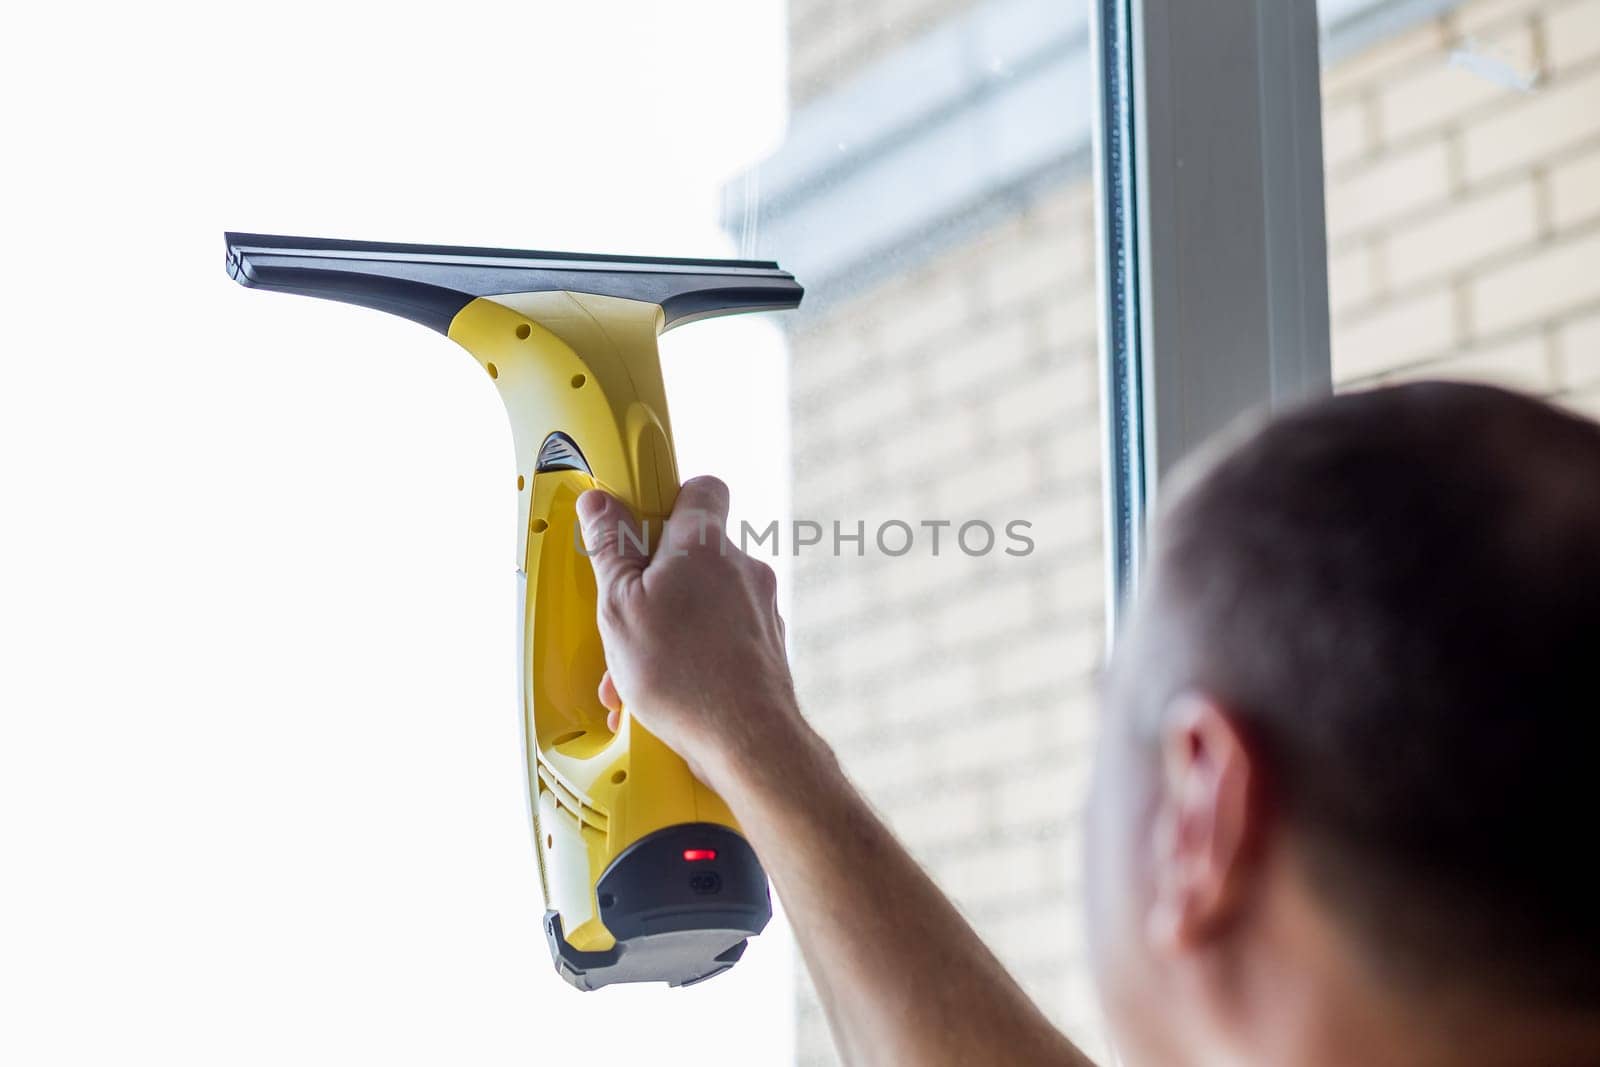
(903, 978)
(695, 650)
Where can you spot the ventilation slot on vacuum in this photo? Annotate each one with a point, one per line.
(558, 453)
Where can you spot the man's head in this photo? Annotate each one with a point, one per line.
(1351, 731)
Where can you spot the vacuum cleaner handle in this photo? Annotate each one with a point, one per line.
(645, 873)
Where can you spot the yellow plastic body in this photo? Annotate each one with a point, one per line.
(586, 366)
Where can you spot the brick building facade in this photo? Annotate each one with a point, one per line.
(956, 378)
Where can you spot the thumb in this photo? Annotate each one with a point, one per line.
(611, 536)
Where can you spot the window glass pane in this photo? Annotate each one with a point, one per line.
(259, 724)
(1463, 176)
(933, 192)
(921, 165)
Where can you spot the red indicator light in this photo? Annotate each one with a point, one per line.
(694, 855)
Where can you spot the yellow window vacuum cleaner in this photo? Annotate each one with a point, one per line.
(646, 875)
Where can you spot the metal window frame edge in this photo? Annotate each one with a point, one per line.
(1212, 305)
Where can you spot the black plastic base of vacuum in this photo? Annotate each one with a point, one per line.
(682, 904)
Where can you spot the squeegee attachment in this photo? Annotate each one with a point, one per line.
(646, 875)
(430, 284)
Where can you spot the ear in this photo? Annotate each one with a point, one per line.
(1206, 823)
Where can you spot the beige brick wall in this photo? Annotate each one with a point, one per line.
(957, 690)
(1464, 227)
(1464, 213)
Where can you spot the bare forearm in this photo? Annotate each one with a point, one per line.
(902, 976)
(695, 646)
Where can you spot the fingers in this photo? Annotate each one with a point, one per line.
(609, 698)
(613, 540)
(707, 494)
(699, 517)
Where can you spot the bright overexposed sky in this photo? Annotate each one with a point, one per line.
(260, 789)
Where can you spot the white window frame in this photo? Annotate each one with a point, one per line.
(1208, 159)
